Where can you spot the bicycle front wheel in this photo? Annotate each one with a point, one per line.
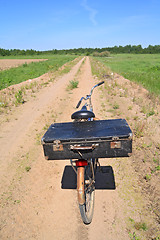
(85, 177)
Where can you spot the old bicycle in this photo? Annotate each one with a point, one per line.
(84, 141)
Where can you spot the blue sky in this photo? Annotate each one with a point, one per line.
(60, 24)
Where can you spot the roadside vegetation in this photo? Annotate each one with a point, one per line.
(32, 70)
(17, 95)
(141, 68)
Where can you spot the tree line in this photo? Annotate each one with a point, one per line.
(134, 49)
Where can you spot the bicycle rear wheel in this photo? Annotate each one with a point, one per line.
(88, 191)
(87, 209)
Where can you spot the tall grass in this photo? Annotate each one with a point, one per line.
(32, 70)
(141, 68)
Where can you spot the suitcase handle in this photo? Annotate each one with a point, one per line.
(82, 148)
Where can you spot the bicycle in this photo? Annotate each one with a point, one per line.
(85, 168)
(87, 139)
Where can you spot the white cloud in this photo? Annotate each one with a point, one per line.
(92, 12)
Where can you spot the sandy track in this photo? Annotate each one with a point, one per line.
(34, 206)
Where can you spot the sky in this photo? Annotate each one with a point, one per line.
(67, 24)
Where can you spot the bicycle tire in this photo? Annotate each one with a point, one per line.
(87, 209)
(87, 215)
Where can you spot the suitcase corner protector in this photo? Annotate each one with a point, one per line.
(42, 141)
(130, 136)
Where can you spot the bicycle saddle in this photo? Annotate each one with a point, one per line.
(83, 114)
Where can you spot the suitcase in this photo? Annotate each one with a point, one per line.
(89, 139)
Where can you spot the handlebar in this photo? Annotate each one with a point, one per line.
(100, 83)
(88, 96)
(79, 103)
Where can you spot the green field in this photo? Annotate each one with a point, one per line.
(141, 68)
(32, 70)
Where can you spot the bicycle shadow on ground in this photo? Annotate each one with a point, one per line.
(104, 178)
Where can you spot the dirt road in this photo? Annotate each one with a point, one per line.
(33, 204)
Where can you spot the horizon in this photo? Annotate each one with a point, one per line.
(80, 48)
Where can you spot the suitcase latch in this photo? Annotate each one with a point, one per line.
(57, 146)
(115, 144)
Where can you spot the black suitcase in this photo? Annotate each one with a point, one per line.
(90, 139)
